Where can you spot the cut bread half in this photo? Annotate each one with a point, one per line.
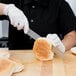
(42, 49)
(8, 67)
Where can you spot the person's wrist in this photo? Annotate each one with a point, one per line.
(7, 8)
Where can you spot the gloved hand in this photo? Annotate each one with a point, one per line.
(17, 17)
(55, 40)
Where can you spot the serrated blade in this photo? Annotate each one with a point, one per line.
(33, 34)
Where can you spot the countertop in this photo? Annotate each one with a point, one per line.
(34, 67)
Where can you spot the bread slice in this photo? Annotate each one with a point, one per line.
(42, 49)
(8, 67)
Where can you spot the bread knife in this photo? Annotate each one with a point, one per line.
(35, 36)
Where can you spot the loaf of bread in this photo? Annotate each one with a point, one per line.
(42, 49)
(8, 67)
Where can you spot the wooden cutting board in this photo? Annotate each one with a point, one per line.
(34, 67)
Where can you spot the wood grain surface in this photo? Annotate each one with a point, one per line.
(34, 67)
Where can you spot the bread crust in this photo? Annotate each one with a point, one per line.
(42, 49)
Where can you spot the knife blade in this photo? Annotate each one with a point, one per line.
(34, 35)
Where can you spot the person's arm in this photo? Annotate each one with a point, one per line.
(2, 6)
(69, 40)
(68, 23)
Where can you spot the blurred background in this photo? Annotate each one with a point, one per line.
(4, 25)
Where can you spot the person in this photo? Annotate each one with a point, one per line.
(42, 16)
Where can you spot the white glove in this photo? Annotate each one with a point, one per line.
(55, 40)
(17, 17)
